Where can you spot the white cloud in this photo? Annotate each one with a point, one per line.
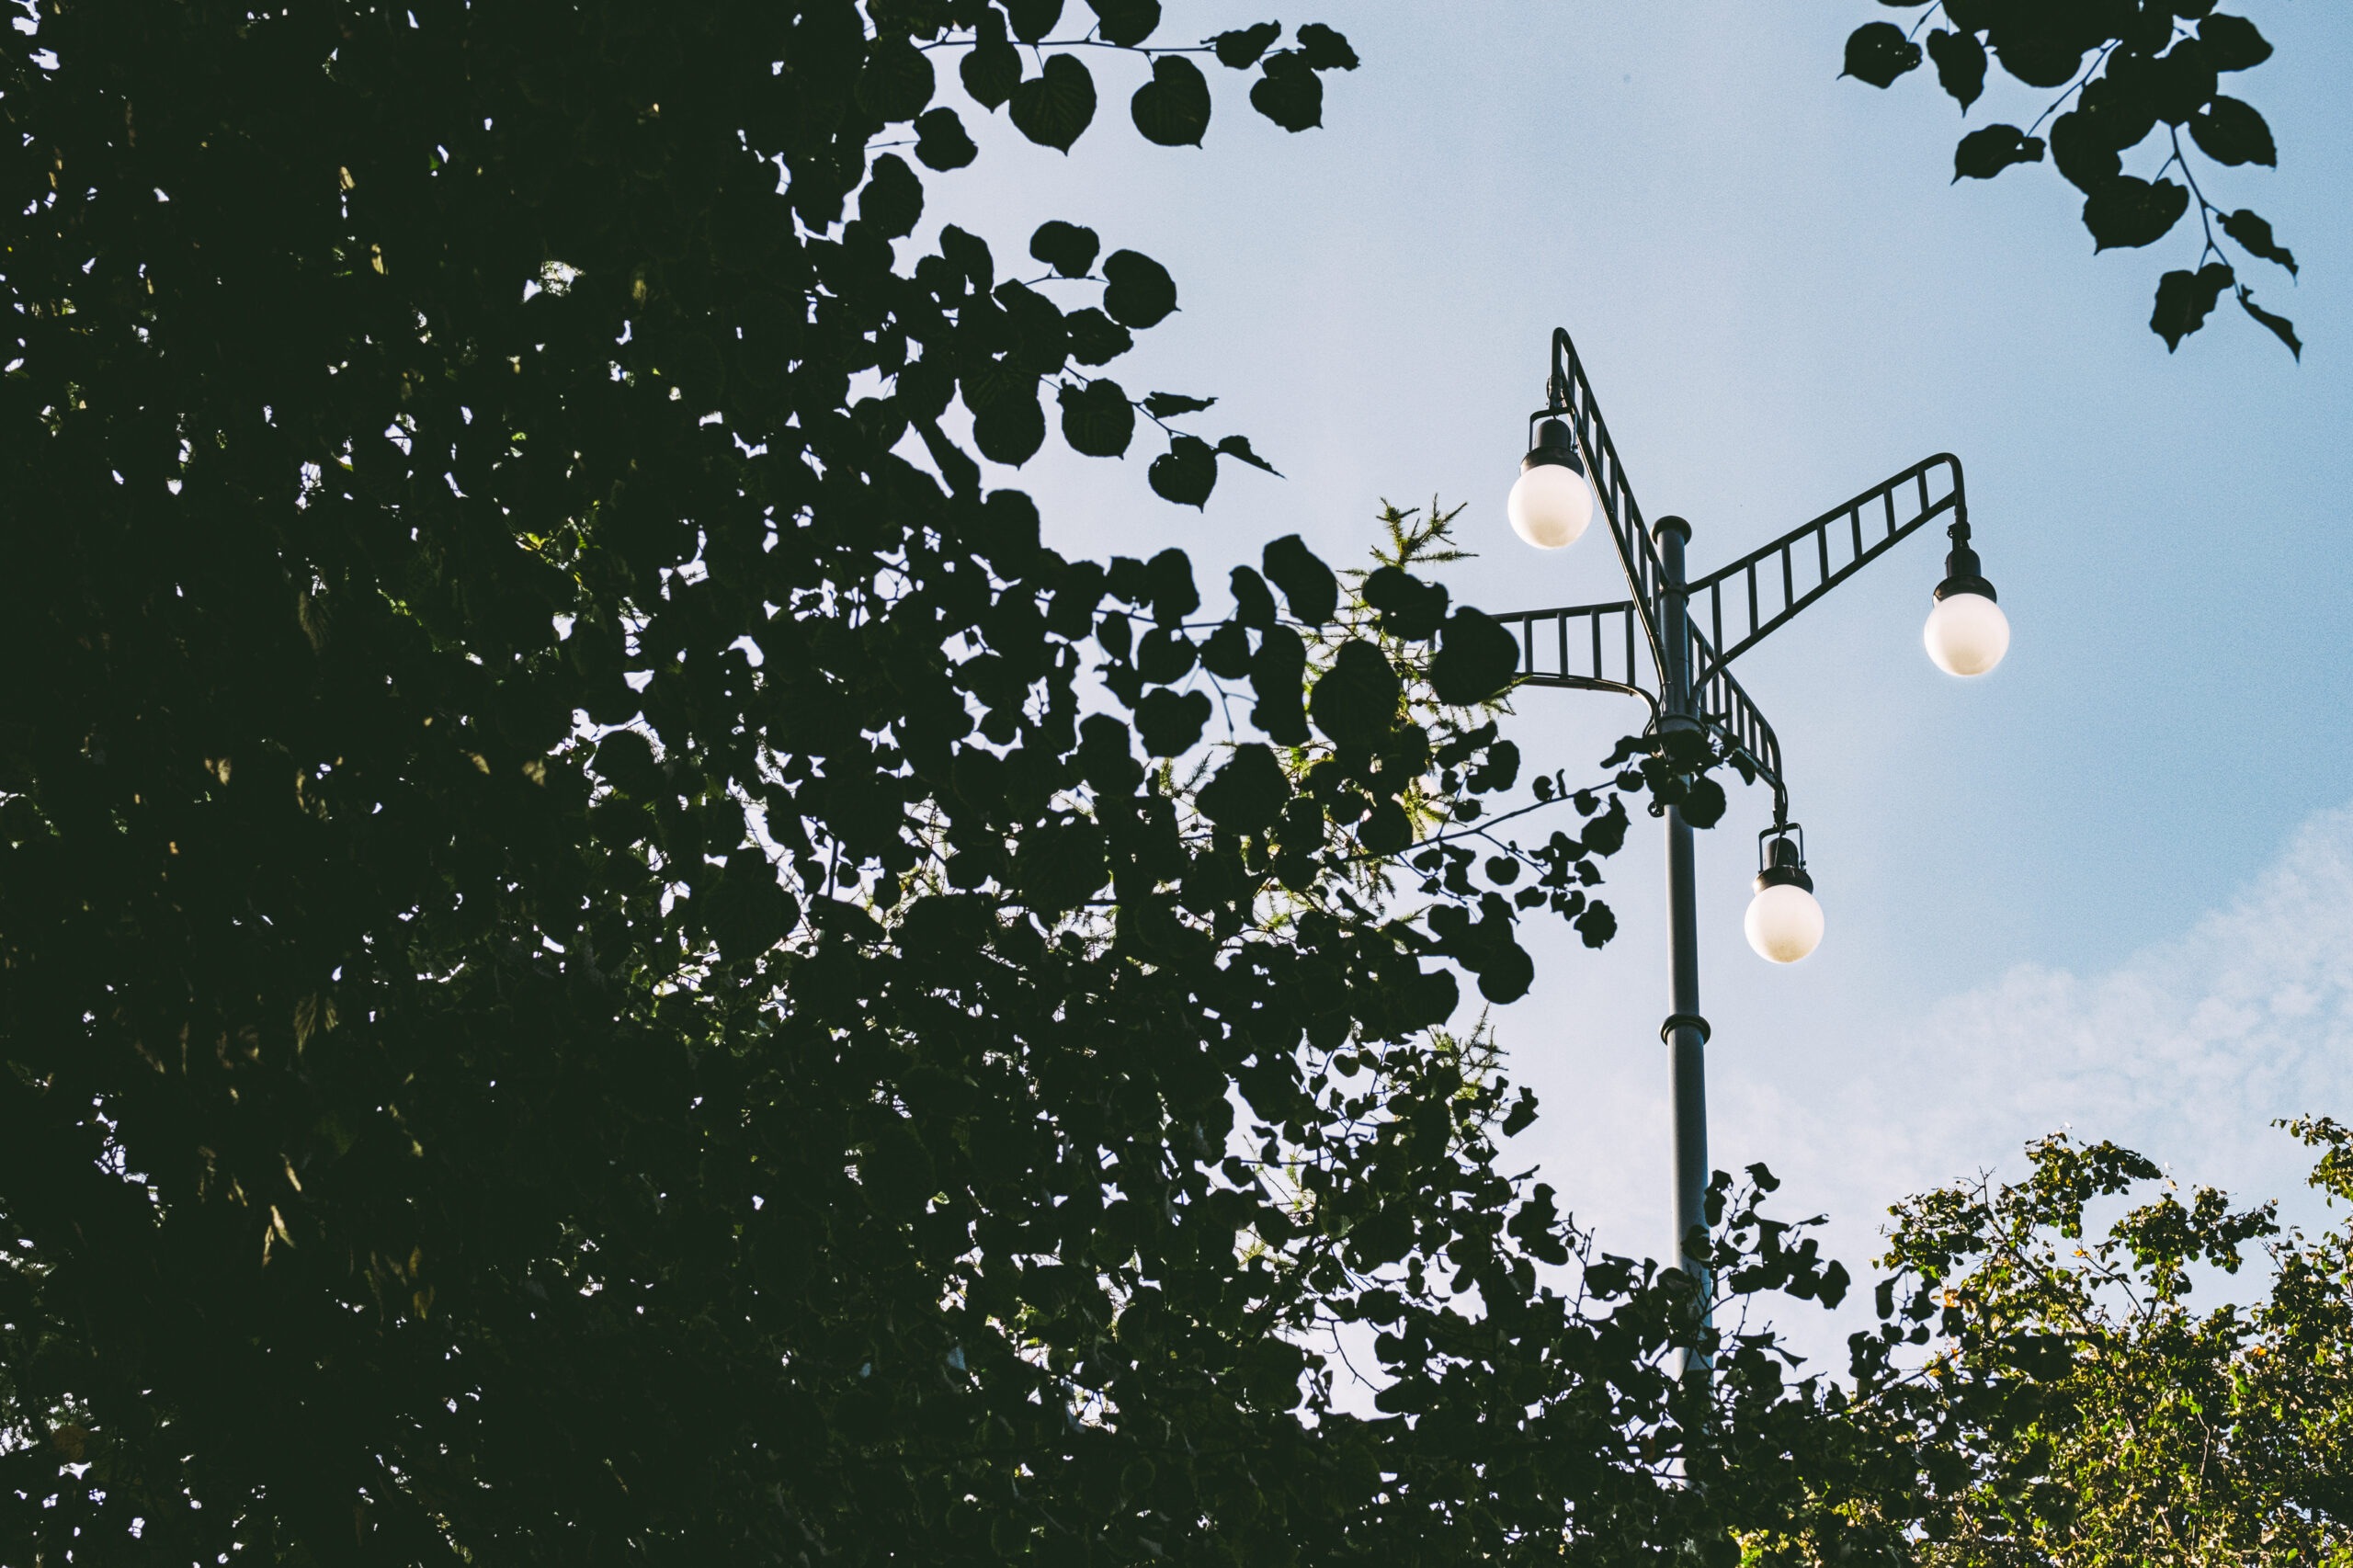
(2187, 1051)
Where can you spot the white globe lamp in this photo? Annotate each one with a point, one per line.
(1551, 502)
(1784, 922)
(1967, 633)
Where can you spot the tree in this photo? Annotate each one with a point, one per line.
(580, 981)
(2152, 67)
(2075, 1407)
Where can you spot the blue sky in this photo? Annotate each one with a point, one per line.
(2111, 884)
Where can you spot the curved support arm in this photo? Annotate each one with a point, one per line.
(1790, 574)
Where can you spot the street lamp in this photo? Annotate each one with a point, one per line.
(1669, 645)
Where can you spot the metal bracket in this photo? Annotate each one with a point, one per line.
(1682, 1021)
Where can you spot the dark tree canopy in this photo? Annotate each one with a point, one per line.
(2126, 74)
(602, 959)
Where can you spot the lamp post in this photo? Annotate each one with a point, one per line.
(1669, 645)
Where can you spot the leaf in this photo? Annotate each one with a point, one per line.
(1053, 107)
(1125, 22)
(1238, 448)
(1477, 660)
(2037, 51)
(2129, 212)
(941, 141)
(1253, 605)
(1982, 155)
(1170, 722)
(2231, 132)
(1960, 65)
(1239, 50)
(1068, 249)
(1277, 679)
(1167, 405)
(1225, 653)
(1096, 338)
(1173, 109)
(1877, 52)
(2185, 300)
(1173, 595)
(1185, 473)
(2181, 82)
(1289, 93)
(992, 70)
(1410, 608)
(1098, 418)
(896, 82)
(2084, 157)
(2254, 235)
(1248, 794)
(1308, 586)
(892, 200)
(1140, 293)
(1009, 429)
(1324, 50)
(1033, 20)
(2233, 43)
(2281, 327)
(1356, 701)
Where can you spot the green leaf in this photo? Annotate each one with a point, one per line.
(1185, 473)
(2185, 300)
(1068, 249)
(1055, 107)
(1248, 794)
(1239, 50)
(1168, 406)
(1238, 448)
(1170, 722)
(1289, 93)
(2254, 235)
(1173, 109)
(1096, 338)
(1009, 429)
(1476, 661)
(1125, 22)
(941, 141)
(1098, 418)
(1877, 52)
(1253, 605)
(2281, 327)
(1355, 702)
(1308, 586)
(1139, 292)
(1324, 50)
(2127, 212)
(892, 200)
(1033, 20)
(2233, 43)
(1961, 65)
(2232, 132)
(1277, 671)
(896, 82)
(1982, 155)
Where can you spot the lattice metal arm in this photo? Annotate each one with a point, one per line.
(1569, 398)
(1809, 560)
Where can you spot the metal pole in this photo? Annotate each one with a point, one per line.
(1685, 1031)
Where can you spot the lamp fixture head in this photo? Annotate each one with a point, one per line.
(1553, 501)
(1966, 633)
(1784, 921)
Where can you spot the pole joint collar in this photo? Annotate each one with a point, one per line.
(1682, 1021)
